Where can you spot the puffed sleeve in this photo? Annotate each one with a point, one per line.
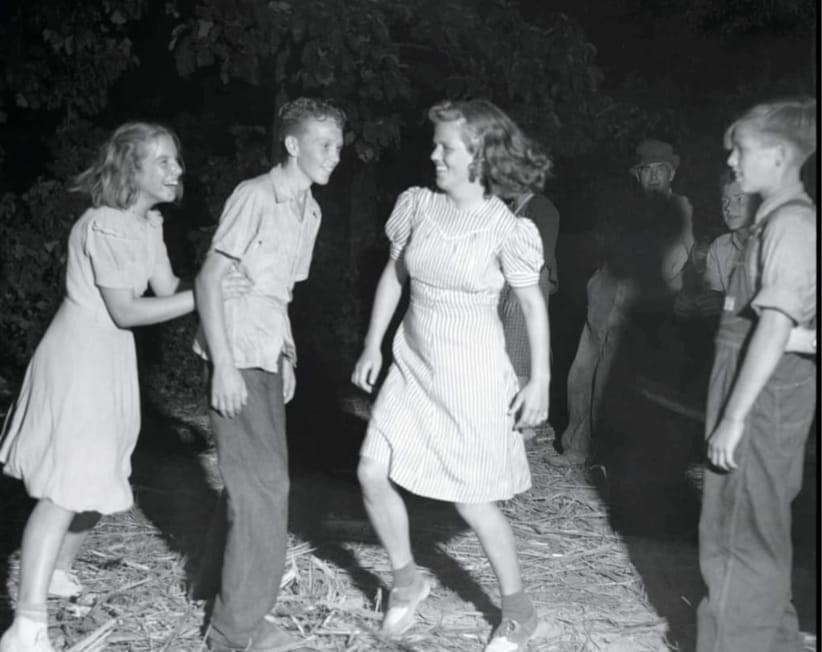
(521, 254)
(400, 223)
(114, 254)
(788, 256)
(239, 222)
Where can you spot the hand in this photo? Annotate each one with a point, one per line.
(289, 380)
(367, 369)
(723, 441)
(235, 284)
(531, 403)
(228, 391)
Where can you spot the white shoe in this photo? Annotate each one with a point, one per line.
(15, 641)
(402, 607)
(64, 584)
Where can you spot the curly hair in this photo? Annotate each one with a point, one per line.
(292, 116)
(507, 162)
(791, 120)
(110, 179)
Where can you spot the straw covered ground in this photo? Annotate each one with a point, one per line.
(595, 589)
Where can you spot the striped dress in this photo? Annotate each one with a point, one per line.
(441, 419)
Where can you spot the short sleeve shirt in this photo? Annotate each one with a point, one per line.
(720, 260)
(272, 241)
(785, 272)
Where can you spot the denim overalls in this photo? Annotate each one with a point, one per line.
(745, 546)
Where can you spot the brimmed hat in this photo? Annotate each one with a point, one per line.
(655, 151)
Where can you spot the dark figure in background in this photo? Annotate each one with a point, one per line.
(542, 212)
(645, 249)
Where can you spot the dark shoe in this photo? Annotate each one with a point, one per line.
(512, 635)
(216, 642)
(270, 637)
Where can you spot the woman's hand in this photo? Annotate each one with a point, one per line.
(367, 369)
(235, 284)
(530, 405)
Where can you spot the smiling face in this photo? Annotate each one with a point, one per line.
(655, 177)
(752, 159)
(315, 150)
(736, 206)
(451, 158)
(157, 179)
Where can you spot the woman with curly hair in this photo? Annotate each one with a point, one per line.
(445, 422)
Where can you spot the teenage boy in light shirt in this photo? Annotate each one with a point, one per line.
(267, 232)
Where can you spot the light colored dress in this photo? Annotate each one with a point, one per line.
(441, 419)
(71, 432)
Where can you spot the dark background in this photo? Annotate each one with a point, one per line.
(587, 78)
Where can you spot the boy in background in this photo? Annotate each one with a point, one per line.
(761, 398)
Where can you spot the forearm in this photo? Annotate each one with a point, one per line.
(144, 311)
(538, 329)
(764, 352)
(208, 290)
(389, 291)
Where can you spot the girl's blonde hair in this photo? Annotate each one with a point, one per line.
(110, 179)
(791, 120)
(506, 161)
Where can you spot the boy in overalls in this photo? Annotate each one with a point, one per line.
(761, 398)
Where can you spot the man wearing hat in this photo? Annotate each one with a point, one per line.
(613, 292)
(654, 169)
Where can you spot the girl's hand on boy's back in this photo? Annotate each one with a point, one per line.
(228, 391)
(530, 405)
(367, 369)
(235, 284)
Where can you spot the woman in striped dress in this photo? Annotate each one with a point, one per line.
(444, 424)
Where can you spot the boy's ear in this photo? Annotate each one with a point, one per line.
(292, 145)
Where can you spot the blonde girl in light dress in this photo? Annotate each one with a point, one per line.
(70, 434)
(445, 422)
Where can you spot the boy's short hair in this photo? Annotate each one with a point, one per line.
(791, 120)
(292, 116)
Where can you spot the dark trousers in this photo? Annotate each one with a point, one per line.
(253, 460)
(745, 549)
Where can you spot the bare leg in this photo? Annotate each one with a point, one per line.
(79, 529)
(497, 540)
(42, 539)
(386, 510)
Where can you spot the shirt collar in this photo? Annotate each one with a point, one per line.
(739, 236)
(282, 193)
(782, 196)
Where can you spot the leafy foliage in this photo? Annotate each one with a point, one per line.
(33, 232)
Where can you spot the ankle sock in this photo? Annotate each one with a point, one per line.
(33, 613)
(517, 606)
(405, 576)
